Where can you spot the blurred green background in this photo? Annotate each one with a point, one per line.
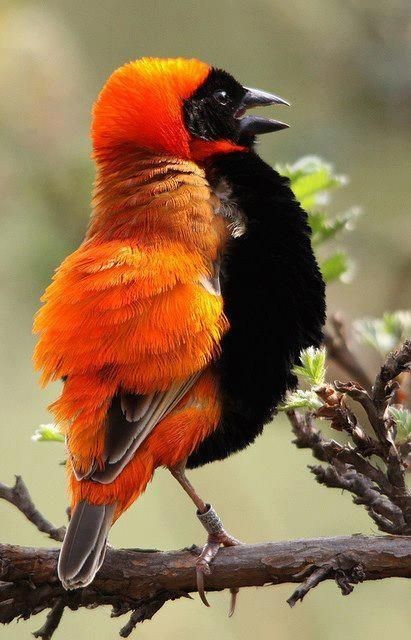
(345, 66)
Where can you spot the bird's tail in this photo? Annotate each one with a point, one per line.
(84, 545)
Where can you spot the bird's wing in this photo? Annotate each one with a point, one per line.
(131, 418)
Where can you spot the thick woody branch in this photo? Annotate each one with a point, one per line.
(142, 581)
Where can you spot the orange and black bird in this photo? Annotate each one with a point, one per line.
(175, 325)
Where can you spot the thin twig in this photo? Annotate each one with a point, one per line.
(52, 621)
(339, 350)
(365, 494)
(382, 491)
(309, 437)
(144, 612)
(318, 575)
(19, 496)
(360, 395)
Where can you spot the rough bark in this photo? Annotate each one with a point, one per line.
(143, 580)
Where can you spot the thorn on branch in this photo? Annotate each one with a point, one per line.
(342, 418)
(308, 436)
(365, 494)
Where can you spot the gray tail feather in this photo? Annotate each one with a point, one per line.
(84, 545)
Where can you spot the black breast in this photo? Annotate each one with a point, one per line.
(274, 298)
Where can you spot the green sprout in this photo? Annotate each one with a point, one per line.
(313, 370)
(47, 433)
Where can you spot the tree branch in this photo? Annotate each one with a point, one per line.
(142, 581)
(382, 491)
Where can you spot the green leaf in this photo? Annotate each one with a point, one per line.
(301, 400)
(312, 366)
(311, 180)
(402, 419)
(323, 228)
(337, 267)
(384, 334)
(47, 433)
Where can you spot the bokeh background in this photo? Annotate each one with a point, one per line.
(345, 66)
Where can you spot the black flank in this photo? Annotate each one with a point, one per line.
(274, 298)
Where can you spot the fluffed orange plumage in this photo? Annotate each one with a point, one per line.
(134, 323)
(134, 316)
(127, 311)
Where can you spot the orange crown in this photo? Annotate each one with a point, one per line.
(142, 103)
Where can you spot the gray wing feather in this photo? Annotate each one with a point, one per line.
(84, 544)
(125, 436)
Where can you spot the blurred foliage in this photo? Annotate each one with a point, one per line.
(402, 420)
(313, 181)
(384, 334)
(337, 267)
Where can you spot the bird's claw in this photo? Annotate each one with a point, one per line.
(200, 585)
(217, 537)
(233, 601)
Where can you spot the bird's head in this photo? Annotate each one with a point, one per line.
(184, 108)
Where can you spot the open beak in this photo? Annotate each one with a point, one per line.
(254, 125)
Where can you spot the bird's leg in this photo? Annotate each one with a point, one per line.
(217, 535)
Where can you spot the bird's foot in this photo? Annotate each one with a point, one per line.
(217, 537)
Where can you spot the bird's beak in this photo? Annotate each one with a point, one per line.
(254, 125)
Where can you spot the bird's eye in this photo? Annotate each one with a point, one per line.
(221, 97)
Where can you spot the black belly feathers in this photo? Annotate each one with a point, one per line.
(274, 298)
